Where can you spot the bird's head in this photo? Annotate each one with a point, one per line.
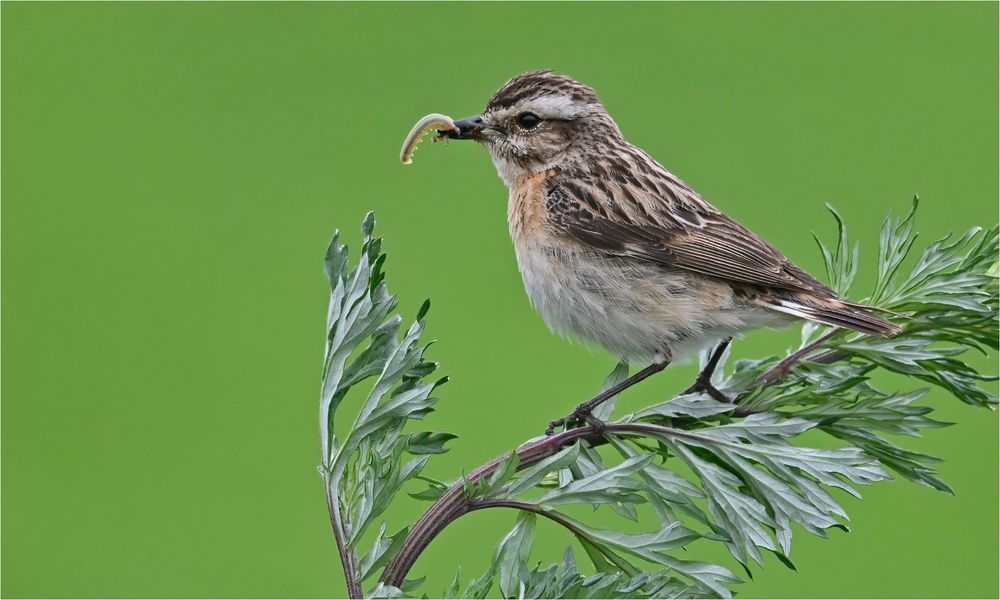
(536, 121)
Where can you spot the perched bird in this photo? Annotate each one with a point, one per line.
(615, 249)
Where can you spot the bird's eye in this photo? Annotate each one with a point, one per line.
(528, 121)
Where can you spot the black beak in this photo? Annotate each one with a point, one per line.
(467, 129)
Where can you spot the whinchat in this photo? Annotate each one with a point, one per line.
(615, 249)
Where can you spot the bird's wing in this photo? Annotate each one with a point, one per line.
(662, 220)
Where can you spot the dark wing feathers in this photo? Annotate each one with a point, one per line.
(724, 248)
(681, 230)
(840, 314)
(716, 246)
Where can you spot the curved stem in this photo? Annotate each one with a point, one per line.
(454, 503)
(558, 518)
(778, 372)
(348, 559)
(529, 507)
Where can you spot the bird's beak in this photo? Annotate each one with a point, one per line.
(466, 129)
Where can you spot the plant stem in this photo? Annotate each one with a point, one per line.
(778, 372)
(555, 517)
(454, 503)
(532, 508)
(348, 559)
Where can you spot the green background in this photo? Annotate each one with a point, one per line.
(172, 174)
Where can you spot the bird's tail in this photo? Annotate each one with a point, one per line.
(837, 313)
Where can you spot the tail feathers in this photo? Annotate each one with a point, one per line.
(838, 314)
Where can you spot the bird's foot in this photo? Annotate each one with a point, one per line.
(580, 417)
(704, 385)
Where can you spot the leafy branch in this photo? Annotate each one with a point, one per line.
(728, 473)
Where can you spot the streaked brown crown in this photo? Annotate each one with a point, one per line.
(536, 84)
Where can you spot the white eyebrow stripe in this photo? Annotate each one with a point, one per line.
(549, 107)
(546, 107)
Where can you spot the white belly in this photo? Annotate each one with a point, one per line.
(635, 310)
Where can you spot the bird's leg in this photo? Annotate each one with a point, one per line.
(582, 413)
(704, 381)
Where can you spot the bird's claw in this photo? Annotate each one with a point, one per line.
(704, 386)
(551, 429)
(578, 416)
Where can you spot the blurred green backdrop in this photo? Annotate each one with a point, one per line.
(172, 174)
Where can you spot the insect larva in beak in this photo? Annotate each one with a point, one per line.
(422, 128)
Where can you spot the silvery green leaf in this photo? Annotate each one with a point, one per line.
(560, 580)
(943, 275)
(335, 261)
(368, 225)
(403, 357)
(911, 465)
(617, 375)
(895, 242)
(365, 470)
(673, 490)
(472, 488)
(601, 585)
(841, 264)
(597, 558)
(506, 470)
(512, 555)
(709, 577)
(588, 463)
(604, 558)
(565, 477)
(653, 546)
(355, 304)
(820, 381)
(379, 486)
(783, 491)
(429, 494)
(386, 591)
(480, 587)
(356, 311)
(411, 585)
(663, 539)
(899, 354)
(671, 587)
(552, 480)
(698, 406)
(742, 517)
(533, 475)
(826, 466)
(926, 359)
(400, 405)
(424, 308)
(372, 360)
(428, 442)
(382, 551)
(453, 589)
(763, 427)
(614, 484)
(786, 503)
(889, 413)
(673, 486)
